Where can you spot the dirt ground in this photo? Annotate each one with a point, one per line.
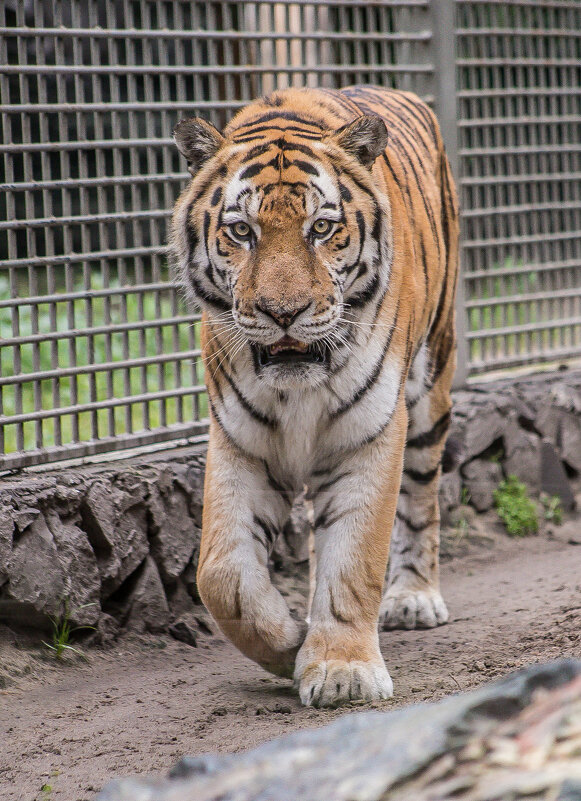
(138, 706)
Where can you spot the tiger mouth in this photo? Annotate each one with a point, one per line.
(289, 351)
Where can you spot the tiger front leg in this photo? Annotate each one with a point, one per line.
(340, 659)
(241, 516)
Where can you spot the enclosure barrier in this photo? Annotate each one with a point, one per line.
(97, 351)
(518, 89)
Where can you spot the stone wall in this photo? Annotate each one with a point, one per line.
(118, 542)
(530, 428)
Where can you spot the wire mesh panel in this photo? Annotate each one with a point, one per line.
(96, 352)
(519, 101)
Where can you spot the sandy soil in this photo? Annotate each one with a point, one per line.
(140, 705)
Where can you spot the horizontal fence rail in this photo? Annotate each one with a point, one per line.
(97, 352)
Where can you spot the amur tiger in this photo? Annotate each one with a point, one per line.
(319, 235)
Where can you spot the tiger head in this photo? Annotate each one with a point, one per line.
(283, 235)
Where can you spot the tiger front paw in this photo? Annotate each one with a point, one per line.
(332, 682)
(412, 609)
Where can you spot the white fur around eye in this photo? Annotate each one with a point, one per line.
(326, 192)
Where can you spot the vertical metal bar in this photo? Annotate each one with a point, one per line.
(444, 59)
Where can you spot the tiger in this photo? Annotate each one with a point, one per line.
(319, 237)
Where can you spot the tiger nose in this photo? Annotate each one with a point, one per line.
(285, 317)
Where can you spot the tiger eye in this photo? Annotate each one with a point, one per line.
(241, 229)
(321, 226)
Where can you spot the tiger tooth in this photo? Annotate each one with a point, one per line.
(290, 344)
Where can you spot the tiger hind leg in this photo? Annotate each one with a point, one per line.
(413, 599)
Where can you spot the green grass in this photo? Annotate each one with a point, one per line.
(516, 510)
(98, 349)
(62, 631)
(552, 509)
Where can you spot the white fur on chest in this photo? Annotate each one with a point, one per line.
(302, 416)
(298, 416)
(305, 430)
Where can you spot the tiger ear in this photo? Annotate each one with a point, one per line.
(365, 138)
(197, 140)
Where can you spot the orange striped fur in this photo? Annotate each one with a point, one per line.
(319, 235)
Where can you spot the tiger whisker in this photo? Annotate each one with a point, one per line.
(228, 330)
(238, 347)
(372, 326)
(230, 344)
(333, 339)
(225, 332)
(226, 318)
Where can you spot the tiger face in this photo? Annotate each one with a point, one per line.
(269, 238)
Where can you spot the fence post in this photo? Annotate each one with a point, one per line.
(446, 107)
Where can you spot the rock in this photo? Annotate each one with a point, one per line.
(182, 631)
(204, 622)
(22, 518)
(79, 564)
(191, 478)
(117, 530)
(481, 430)
(501, 741)
(481, 478)
(196, 473)
(174, 534)
(562, 428)
(566, 397)
(147, 608)
(106, 631)
(179, 599)
(554, 480)
(449, 495)
(522, 456)
(100, 519)
(36, 579)
(6, 538)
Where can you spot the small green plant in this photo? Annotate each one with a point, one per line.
(62, 629)
(516, 510)
(465, 496)
(462, 529)
(552, 508)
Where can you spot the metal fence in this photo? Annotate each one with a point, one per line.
(519, 157)
(96, 351)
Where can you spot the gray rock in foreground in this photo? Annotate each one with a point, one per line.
(518, 737)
